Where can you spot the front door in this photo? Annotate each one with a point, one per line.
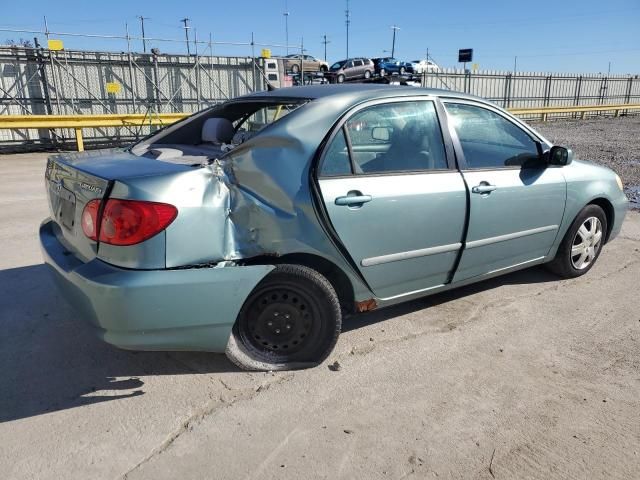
(392, 197)
(516, 204)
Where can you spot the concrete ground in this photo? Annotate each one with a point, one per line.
(524, 376)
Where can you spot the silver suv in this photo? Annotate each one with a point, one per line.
(351, 69)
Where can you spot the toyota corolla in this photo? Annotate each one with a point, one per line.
(255, 226)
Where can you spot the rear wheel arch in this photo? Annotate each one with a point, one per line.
(334, 274)
(607, 207)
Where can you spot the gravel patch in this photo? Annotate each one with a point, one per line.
(613, 142)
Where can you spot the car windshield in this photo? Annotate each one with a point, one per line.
(338, 65)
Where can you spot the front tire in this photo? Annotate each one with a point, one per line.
(340, 78)
(383, 72)
(402, 70)
(582, 244)
(295, 68)
(290, 321)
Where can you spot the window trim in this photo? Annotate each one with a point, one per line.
(463, 165)
(341, 125)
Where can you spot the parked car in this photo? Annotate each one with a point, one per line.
(386, 65)
(351, 69)
(309, 63)
(251, 226)
(424, 66)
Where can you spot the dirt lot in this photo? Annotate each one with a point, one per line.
(524, 376)
(612, 142)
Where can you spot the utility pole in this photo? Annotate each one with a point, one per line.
(347, 13)
(393, 45)
(144, 41)
(515, 64)
(186, 33)
(324, 42)
(286, 25)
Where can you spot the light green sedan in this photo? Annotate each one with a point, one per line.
(255, 226)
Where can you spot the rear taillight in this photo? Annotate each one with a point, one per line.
(90, 219)
(126, 222)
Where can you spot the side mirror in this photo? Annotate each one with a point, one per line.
(560, 156)
(381, 133)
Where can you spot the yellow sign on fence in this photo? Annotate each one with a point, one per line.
(55, 44)
(266, 53)
(113, 87)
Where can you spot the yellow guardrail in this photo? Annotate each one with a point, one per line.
(582, 110)
(78, 122)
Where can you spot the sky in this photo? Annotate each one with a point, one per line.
(546, 36)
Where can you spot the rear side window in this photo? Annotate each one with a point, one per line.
(390, 137)
(489, 140)
(357, 63)
(336, 159)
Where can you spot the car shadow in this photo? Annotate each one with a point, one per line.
(528, 276)
(52, 360)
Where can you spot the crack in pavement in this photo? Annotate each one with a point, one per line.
(209, 408)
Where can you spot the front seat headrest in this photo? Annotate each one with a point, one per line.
(217, 130)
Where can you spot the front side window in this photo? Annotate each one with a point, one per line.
(489, 140)
(390, 137)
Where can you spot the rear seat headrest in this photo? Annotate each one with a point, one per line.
(217, 130)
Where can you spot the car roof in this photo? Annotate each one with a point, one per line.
(355, 93)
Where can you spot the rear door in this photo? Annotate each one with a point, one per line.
(392, 196)
(516, 203)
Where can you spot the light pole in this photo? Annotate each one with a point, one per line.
(144, 42)
(347, 13)
(286, 26)
(325, 41)
(186, 33)
(393, 45)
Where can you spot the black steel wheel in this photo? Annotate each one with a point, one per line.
(291, 320)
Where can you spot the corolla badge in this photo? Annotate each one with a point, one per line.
(91, 188)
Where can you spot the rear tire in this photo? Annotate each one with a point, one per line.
(383, 72)
(582, 244)
(402, 70)
(367, 74)
(290, 321)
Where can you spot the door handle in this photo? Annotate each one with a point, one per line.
(484, 188)
(353, 199)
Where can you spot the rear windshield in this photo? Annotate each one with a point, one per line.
(248, 118)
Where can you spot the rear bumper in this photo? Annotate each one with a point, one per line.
(186, 309)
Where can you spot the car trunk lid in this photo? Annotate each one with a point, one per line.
(73, 180)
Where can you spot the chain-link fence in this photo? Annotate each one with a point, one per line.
(538, 89)
(39, 81)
